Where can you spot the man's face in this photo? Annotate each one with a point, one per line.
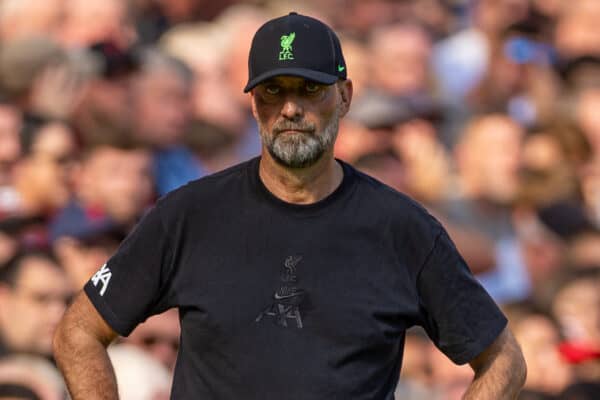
(118, 180)
(159, 336)
(34, 306)
(81, 259)
(10, 125)
(402, 54)
(91, 21)
(494, 151)
(298, 119)
(162, 107)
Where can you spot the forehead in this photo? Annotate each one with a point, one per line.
(110, 155)
(288, 81)
(38, 272)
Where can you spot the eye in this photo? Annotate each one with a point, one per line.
(272, 89)
(312, 87)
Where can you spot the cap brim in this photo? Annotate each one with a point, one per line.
(316, 76)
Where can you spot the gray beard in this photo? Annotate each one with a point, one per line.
(300, 149)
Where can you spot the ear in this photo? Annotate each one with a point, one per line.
(345, 89)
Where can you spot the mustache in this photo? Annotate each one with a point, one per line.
(293, 126)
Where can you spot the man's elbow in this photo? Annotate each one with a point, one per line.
(516, 365)
(520, 368)
(502, 363)
(60, 341)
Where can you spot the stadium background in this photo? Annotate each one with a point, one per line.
(486, 111)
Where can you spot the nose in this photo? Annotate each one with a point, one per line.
(292, 108)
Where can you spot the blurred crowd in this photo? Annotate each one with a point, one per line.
(485, 111)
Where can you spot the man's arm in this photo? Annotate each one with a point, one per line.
(80, 351)
(500, 370)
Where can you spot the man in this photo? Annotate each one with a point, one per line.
(488, 158)
(10, 146)
(34, 292)
(161, 115)
(295, 275)
(113, 186)
(159, 337)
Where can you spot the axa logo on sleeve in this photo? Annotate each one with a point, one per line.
(102, 276)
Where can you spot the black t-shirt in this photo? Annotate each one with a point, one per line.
(287, 301)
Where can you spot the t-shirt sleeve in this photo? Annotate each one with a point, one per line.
(456, 311)
(133, 284)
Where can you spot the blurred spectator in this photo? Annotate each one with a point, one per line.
(401, 54)
(105, 103)
(161, 115)
(213, 145)
(355, 140)
(177, 11)
(139, 376)
(542, 152)
(239, 23)
(436, 16)
(461, 60)
(40, 180)
(405, 127)
(485, 110)
(21, 233)
(549, 8)
(448, 380)
(91, 21)
(576, 32)
(570, 222)
(27, 67)
(83, 242)
(357, 56)
(383, 166)
(20, 18)
(548, 374)
(426, 161)
(202, 47)
(360, 16)
(49, 139)
(10, 148)
(580, 72)
(541, 250)
(590, 189)
(415, 379)
(34, 292)
(116, 181)
(376, 123)
(581, 391)
(161, 99)
(488, 158)
(113, 187)
(587, 118)
(30, 378)
(576, 309)
(159, 337)
(519, 80)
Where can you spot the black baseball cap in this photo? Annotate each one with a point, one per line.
(295, 45)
